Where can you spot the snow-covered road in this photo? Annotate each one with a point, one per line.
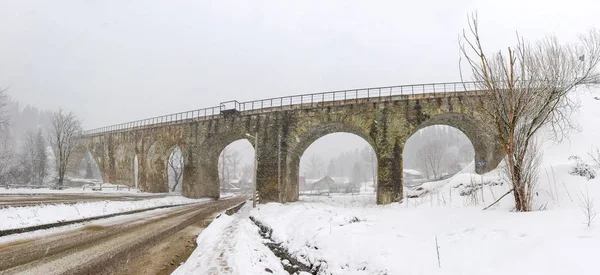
(107, 246)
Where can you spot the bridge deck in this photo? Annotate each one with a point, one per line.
(308, 101)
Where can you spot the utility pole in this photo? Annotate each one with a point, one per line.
(279, 167)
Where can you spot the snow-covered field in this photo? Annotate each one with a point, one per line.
(349, 234)
(352, 237)
(19, 217)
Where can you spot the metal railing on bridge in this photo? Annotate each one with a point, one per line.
(290, 101)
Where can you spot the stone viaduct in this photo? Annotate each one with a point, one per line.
(384, 117)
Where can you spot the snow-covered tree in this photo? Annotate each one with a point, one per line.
(4, 118)
(528, 89)
(33, 158)
(64, 127)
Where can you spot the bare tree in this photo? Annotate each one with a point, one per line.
(357, 175)
(234, 162)
(229, 164)
(314, 166)
(430, 158)
(6, 156)
(370, 158)
(247, 172)
(331, 168)
(33, 158)
(587, 206)
(527, 90)
(6, 144)
(41, 166)
(28, 157)
(175, 164)
(3, 116)
(595, 157)
(63, 129)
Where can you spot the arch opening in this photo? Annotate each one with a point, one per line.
(340, 167)
(88, 168)
(436, 152)
(175, 166)
(235, 167)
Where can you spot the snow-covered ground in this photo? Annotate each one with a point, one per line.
(231, 245)
(19, 217)
(349, 234)
(353, 237)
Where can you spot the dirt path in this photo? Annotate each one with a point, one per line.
(153, 242)
(17, 200)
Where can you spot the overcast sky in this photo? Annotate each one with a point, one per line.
(116, 61)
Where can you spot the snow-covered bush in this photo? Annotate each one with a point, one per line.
(581, 168)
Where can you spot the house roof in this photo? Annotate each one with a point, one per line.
(412, 172)
(340, 179)
(325, 181)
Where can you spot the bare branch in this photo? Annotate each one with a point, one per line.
(528, 92)
(63, 129)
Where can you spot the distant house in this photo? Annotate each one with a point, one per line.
(344, 185)
(329, 184)
(412, 174)
(230, 187)
(412, 177)
(323, 185)
(340, 180)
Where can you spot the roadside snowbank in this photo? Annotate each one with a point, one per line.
(107, 188)
(19, 217)
(231, 245)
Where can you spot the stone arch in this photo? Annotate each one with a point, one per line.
(153, 173)
(290, 187)
(78, 159)
(96, 149)
(488, 153)
(201, 175)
